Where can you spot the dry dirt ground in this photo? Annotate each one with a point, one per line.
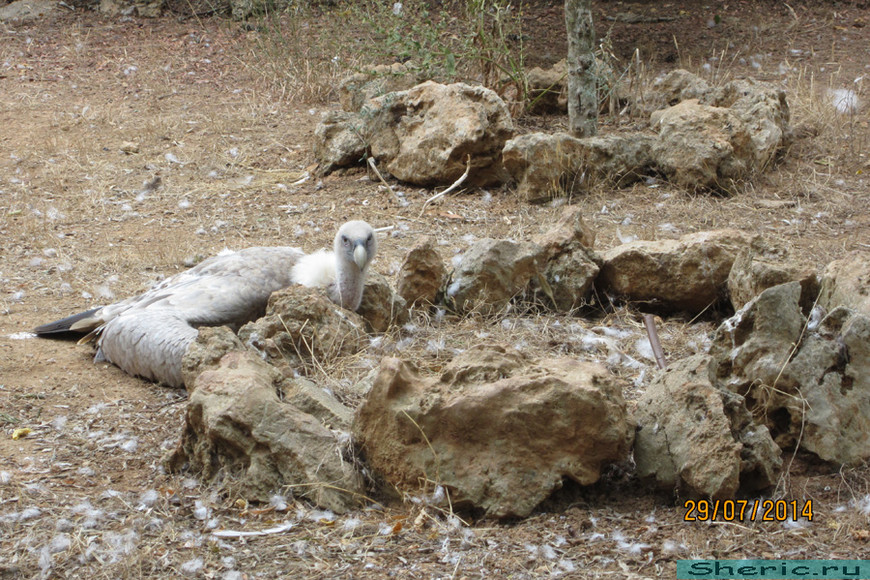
(95, 109)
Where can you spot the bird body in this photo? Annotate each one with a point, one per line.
(147, 335)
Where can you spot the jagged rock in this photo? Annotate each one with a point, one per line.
(700, 146)
(421, 275)
(27, 10)
(492, 272)
(382, 308)
(499, 430)
(423, 135)
(764, 266)
(712, 135)
(236, 425)
(807, 381)
(300, 323)
(549, 165)
(571, 266)
(356, 90)
(764, 110)
(846, 282)
(688, 274)
(339, 141)
(698, 439)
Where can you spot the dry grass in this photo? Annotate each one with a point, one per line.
(228, 139)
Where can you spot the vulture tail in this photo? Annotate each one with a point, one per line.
(64, 325)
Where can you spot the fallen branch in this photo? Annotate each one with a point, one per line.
(456, 184)
(373, 164)
(650, 323)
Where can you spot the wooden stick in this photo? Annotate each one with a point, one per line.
(650, 323)
(456, 184)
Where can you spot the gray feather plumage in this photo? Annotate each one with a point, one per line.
(147, 335)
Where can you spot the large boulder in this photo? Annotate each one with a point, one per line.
(425, 135)
(700, 440)
(808, 380)
(497, 429)
(550, 165)
(688, 274)
(236, 425)
(846, 282)
(492, 272)
(339, 141)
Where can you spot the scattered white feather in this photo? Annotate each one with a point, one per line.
(816, 316)
(21, 335)
(192, 567)
(845, 101)
(279, 502)
(148, 499)
(5, 477)
(644, 349)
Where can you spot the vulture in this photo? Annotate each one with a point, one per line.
(147, 335)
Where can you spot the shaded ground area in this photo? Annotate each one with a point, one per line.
(130, 148)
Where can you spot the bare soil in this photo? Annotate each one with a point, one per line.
(130, 148)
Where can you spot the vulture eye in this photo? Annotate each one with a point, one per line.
(344, 240)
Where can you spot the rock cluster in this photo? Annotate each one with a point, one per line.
(699, 136)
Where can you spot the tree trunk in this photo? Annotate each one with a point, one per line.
(582, 85)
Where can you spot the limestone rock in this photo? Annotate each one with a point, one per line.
(338, 141)
(763, 266)
(27, 10)
(357, 89)
(549, 165)
(424, 135)
(711, 136)
(570, 232)
(698, 439)
(846, 282)
(492, 272)
(144, 8)
(497, 429)
(571, 266)
(808, 381)
(235, 424)
(548, 88)
(381, 307)
(687, 274)
(313, 399)
(301, 323)
(700, 146)
(421, 275)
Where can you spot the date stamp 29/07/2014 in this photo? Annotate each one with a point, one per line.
(761, 510)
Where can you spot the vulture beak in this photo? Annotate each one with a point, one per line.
(360, 256)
